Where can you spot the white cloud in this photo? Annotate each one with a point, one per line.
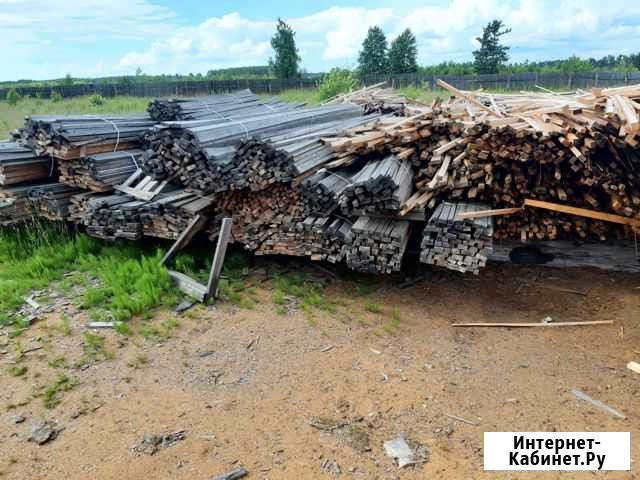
(47, 38)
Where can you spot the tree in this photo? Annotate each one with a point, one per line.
(67, 80)
(285, 63)
(139, 72)
(373, 56)
(491, 54)
(403, 53)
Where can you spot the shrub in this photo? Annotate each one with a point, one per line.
(96, 100)
(338, 80)
(13, 97)
(56, 97)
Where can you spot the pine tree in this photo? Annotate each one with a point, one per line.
(285, 64)
(403, 53)
(373, 56)
(491, 54)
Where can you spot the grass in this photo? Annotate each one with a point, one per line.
(94, 348)
(372, 307)
(64, 327)
(307, 293)
(18, 370)
(12, 117)
(310, 96)
(394, 323)
(33, 256)
(51, 397)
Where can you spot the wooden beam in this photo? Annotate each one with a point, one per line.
(582, 212)
(531, 324)
(183, 239)
(488, 213)
(218, 259)
(467, 97)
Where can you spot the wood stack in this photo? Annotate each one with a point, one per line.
(377, 245)
(100, 172)
(71, 137)
(383, 184)
(15, 205)
(19, 164)
(111, 217)
(202, 155)
(52, 201)
(243, 103)
(171, 213)
(457, 244)
(321, 192)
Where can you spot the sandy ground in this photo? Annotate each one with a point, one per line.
(244, 384)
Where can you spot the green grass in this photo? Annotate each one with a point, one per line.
(51, 397)
(372, 307)
(18, 370)
(94, 348)
(310, 96)
(309, 294)
(12, 117)
(64, 327)
(31, 257)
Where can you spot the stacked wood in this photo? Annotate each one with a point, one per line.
(202, 155)
(19, 164)
(256, 218)
(375, 98)
(112, 217)
(321, 192)
(457, 244)
(15, 205)
(170, 214)
(377, 245)
(100, 172)
(243, 103)
(75, 136)
(383, 184)
(52, 201)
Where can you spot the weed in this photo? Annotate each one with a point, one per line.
(18, 370)
(372, 307)
(51, 396)
(64, 327)
(122, 328)
(281, 309)
(94, 349)
(140, 360)
(58, 362)
(357, 438)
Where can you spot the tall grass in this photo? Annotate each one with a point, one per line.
(33, 256)
(12, 116)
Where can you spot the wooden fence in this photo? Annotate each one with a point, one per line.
(512, 82)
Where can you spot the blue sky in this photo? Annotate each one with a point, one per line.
(47, 39)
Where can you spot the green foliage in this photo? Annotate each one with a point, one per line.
(64, 327)
(18, 370)
(338, 80)
(122, 328)
(13, 97)
(373, 56)
(285, 63)
(372, 307)
(56, 97)
(51, 396)
(67, 81)
(491, 54)
(239, 73)
(309, 96)
(403, 53)
(96, 100)
(94, 348)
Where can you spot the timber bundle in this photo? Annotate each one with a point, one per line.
(363, 179)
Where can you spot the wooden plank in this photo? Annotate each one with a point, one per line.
(531, 324)
(582, 212)
(189, 286)
(467, 97)
(183, 239)
(218, 259)
(487, 213)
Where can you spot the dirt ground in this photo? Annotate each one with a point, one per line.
(245, 384)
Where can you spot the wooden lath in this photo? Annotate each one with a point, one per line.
(146, 189)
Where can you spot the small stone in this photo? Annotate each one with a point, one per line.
(18, 419)
(43, 432)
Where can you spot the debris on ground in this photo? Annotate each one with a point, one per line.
(597, 403)
(151, 444)
(634, 367)
(101, 325)
(460, 419)
(400, 450)
(232, 475)
(327, 424)
(18, 419)
(42, 432)
(184, 305)
(331, 466)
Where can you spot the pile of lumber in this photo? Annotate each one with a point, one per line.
(375, 99)
(169, 214)
(321, 191)
(19, 164)
(204, 154)
(377, 245)
(383, 184)
(15, 205)
(52, 201)
(239, 104)
(454, 242)
(102, 171)
(112, 216)
(75, 136)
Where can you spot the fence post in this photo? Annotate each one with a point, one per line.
(595, 83)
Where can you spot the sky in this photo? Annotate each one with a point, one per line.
(43, 39)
